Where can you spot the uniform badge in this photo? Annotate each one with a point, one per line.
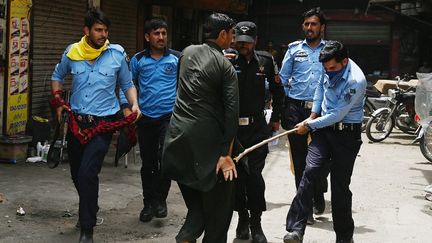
(301, 54)
(127, 59)
(350, 93)
(169, 68)
(261, 71)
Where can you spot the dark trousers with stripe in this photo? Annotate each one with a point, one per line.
(209, 212)
(292, 115)
(250, 184)
(86, 163)
(151, 136)
(333, 151)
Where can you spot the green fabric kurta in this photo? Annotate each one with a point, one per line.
(205, 117)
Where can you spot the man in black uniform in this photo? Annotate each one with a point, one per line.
(254, 69)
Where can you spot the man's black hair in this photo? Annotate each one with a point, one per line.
(215, 23)
(94, 16)
(154, 24)
(333, 49)
(315, 12)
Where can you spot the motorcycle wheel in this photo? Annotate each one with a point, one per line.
(426, 146)
(368, 109)
(380, 126)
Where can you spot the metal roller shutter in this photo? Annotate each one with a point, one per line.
(56, 24)
(123, 29)
(366, 33)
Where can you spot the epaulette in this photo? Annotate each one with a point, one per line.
(117, 47)
(68, 48)
(294, 43)
(174, 52)
(264, 54)
(140, 54)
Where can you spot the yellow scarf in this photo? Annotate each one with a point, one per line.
(83, 51)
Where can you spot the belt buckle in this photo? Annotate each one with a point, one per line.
(340, 126)
(308, 104)
(79, 117)
(243, 121)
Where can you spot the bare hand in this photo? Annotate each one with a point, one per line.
(136, 109)
(226, 164)
(126, 112)
(301, 128)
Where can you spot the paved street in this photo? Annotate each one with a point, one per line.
(388, 200)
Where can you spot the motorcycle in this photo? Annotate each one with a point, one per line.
(373, 100)
(423, 107)
(398, 112)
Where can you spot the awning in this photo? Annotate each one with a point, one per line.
(383, 1)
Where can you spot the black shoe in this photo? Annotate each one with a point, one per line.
(146, 213)
(293, 237)
(242, 230)
(345, 241)
(319, 204)
(258, 235)
(310, 220)
(160, 210)
(256, 229)
(86, 236)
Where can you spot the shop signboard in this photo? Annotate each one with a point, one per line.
(17, 107)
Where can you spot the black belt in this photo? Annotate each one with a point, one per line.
(302, 103)
(339, 126)
(92, 118)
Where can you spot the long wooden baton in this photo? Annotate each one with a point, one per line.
(250, 149)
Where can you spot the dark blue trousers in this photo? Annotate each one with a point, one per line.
(86, 163)
(151, 135)
(333, 151)
(292, 115)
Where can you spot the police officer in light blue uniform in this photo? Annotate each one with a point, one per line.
(154, 70)
(300, 74)
(335, 122)
(96, 67)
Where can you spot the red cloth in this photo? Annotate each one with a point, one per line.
(85, 135)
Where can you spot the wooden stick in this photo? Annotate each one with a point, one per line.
(250, 149)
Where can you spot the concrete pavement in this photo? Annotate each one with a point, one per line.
(387, 186)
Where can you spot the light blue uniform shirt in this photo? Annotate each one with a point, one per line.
(301, 70)
(156, 82)
(94, 85)
(342, 102)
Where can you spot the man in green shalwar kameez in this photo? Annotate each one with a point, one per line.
(198, 141)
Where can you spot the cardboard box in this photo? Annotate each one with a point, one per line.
(14, 148)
